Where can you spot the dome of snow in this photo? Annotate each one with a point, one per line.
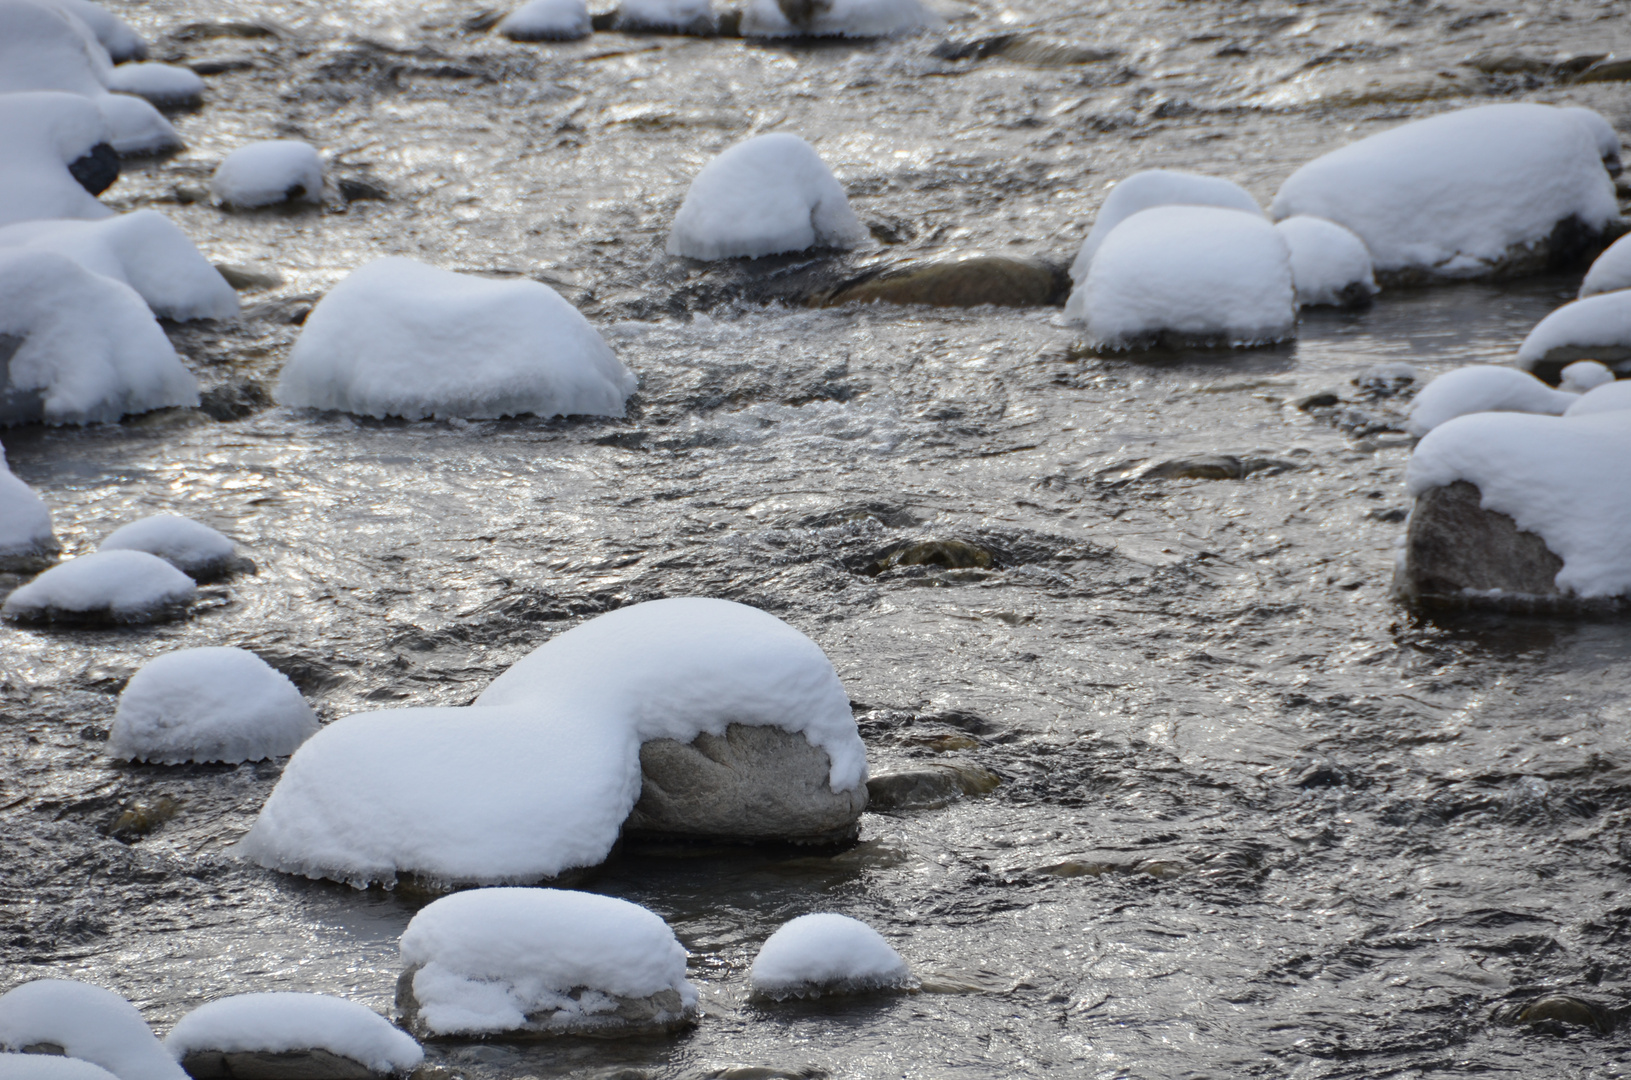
(115, 35)
(1157, 187)
(768, 195)
(135, 126)
(1329, 264)
(165, 85)
(666, 16)
(278, 1023)
(26, 538)
(90, 350)
(494, 960)
(1482, 388)
(836, 18)
(1611, 271)
(1187, 275)
(1454, 195)
(265, 173)
(89, 1023)
(1596, 328)
(1609, 397)
(190, 546)
(1602, 133)
(49, 1067)
(112, 586)
(827, 954)
(1584, 375)
(399, 338)
(41, 135)
(547, 20)
(209, 704)
(143, 249)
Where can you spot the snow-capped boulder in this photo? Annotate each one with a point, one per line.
(1612, 270)
(537, 778)
(291, 1035)
(267, 173)
(26, 539)
(1157, 187)
(1184, 276)
(118, 37)
(541, 962)
(105, 586)
(88, 1023)
(547, 20)
(1596, 328)
(144, 250)
(1490, 191)
(136, 127)
(1480, 388)
(164, 85)
(209, 704)
(835, 18)
(665, 16)
(768, 195)
(823, 954)
(399, 338)
(1329, 264)
(1609, 397)
(49, 1067)
(48, 142)
(1583, 376)
(190, 546)
(1602, 133)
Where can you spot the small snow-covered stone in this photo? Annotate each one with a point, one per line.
(768, 195)
(190, 546)
(137, 127)
(1480, 388)
(209, 704)
(547, 20)
(49, 1067)
(665, 16)
(26, 539)
(266, 173)
(89, 1023)
(1596, 328)
(1611, 271)
(835, 18)
(41, 136)
(823, 954)
(248, 1034)
(165, 85)
(1157, 187)
(1329, 264)
(105, 586)
(1609, 397)
(120, 40)
(1584, 375)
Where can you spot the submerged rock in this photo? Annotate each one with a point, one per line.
(968, 282)
(930, 786)
(290, 1036)
(1560, 1011)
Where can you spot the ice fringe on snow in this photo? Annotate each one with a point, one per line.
(1462, 194)
(670, 16)
(266, 173)
(836, 18)
(26, 538)
(547, 20)
(827, 954)
(41, 135)
(164, 85)
(49, 1067)
(209, 704)
(1596, 328)
(1480, 388)
(537, 777)
(89, 1023)
(279, 1023)
(1329, 264)
(497, 960)
(106, 586)
(768, 195)
(1609, 397)
(1612, 270)
(1157, 187)
(190, 546)
(399, 338)
(1187, 276)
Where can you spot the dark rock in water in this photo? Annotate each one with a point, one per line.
(950, 554)
(261, 1065)
(1608, 69)
(97, 170)
(1507, 62)
(1038, 50)
(1559, 1012)
(929, 786)
(1549, 368)
(1324, 399)
(1215, 467)
(663, 1013)
(1457, 554)
(1571, 246)
(969, 282)
(602, 21)
(141, 818)
(362, 188)
(701, 26)
(234, 400)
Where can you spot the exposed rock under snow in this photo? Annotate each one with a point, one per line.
(209, 704)
(41, 136)
(88, 1023)
(1595, 328)
(267, 173)
(1157, 187)
(816, 955)
(190, 546)
(1482, 388)
(1329, 264)
(246, 1029)
(105, 586)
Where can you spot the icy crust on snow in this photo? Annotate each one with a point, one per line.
(89, 1023)
(1452, 195)
(399, 338)
(265, 173)
(839, 18)
(825, 953)
(1482, 388)
(277, 1023)
(190, 546)
(489, 959)
(209, 704)
(547, 20)
(161, 84)
(1597, 322)
(1609, 397)
(41, 134)
(1611, 271)
(1329, 264)
(120, 586)
(768, 195)
(1190, 275)
(25, 523)
(144, 250)
(1562, 478)
(677, 16)
(1157, 187)
(49, 1067)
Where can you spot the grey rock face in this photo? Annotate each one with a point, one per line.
(259, 1065)
(929, 786)
(1454, 545)
(662, 1013)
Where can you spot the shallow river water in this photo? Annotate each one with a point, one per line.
(1255, 819)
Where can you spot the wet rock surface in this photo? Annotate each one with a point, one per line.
(260, 1065)
(1458, 554)
(929, 786)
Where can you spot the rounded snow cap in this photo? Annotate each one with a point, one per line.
(1157, 187)
(827, 954)
(210, 704)
(111, 586)
(835, 18)
(1480, 388)
(1585, 375)
(190, 546)
(547, 20)
(281, 1023)
(1329, 264)
(89, 1023)
(264, 173)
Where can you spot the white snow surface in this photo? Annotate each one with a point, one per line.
(40, 135)
(49, 1067)
(547, 20)
(770, 194)
(126, 585)
(399, 338)
(1601, 321)
(277, 1023)
(1609, 397)
(25, 523)
(1611, 271)
(1157, 187)
(88, 1022)
(161, 84)
(670, 15)
(1584, 375)
(143, 249)
(135, 126)
(1451, 194)
(265, 173)
(1329, 264)
(840, 18)
(1602, 133)
(488, 958)
(115, 35)
(190, 546)
(539, 774)
(1561, 478)
(828, 953)
(209, 704)
(1480, 388)
(1201, 272)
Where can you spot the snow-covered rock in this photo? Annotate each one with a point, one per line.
(118, 37)
(105, 586)
(1329, 264)
(665, 16)
(136, 127)
(1187, 276)
(827, 954)
(538, 776)
(209, 704)
(83, 349)
(190, 546)
(266, 173)
(144, 250)
(835, 18)
(26, 539)
(1480, 388)
(1466, 194)
(541, 962)
(1595, 328)
(164, 85)
(768, 195)
(1602, 133)
(41, 136)
(242, 1030)
(49, 1067)
(399, 338)
(89, 1023)
(1585, 375)
(1157, 187)
(1611, 271)
(1609, 397)
(547, 20)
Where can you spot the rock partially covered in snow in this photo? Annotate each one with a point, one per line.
(542, 962)
(835, 18)
(310, 1035)
(164, 85)
(1609, 397)
(827, 954)
(26, 539)
(106, 586)
(547, 20)
(1157, 187)
(1596, 328)
(209, 704)
(1491, 191)
(1329, 264)
(49, 143)
(1186, 276)
(399, 338)
(1611, 271)
(88, 1023)
(665, 16)
(266, 173)
(190, 546)
(1482, 388)
(49, 1067)
(768, 195)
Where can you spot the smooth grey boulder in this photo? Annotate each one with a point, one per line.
(663, 1013)
(262, 1065)
(1459, 555)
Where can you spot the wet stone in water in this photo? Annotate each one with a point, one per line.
(930, 786)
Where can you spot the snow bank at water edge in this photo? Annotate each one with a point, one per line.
(26, 539)
(1610, 397)
(190, 546)
(827, 954)
(768, 195)
(1611, 271)
(1482, 388)
(279, 1023)
(266, 173)
(209, 704)
(837, 18)
(1157, 187)
(164, 85)
(666, 16)
(49, 1067)
(1596, 328)
(105, 586)
(89, 1023)
(1329, 264)
(43, 138)
(547, 20)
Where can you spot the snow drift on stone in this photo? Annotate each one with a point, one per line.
(26, 538)
(278, 1023)
(1157, 187)
(826, 954)
(1329, 264)
(89, 1023)
(190, 546)
(837, 18)
(111, 586)
(41, 135)
(1596, 328)
(265, 173)
(547, 20)
(1482, 388)
(209, 704)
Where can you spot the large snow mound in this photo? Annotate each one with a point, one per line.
(825, 953)
(1598, 327)
(49, 1067)
(547, 20)
(86, 348)
(1610, 397)
(768, 195)
(537, 776)
(673, 16)
(490, 958)
(209, 704)
(1452, 196)
(836, 18)
(1561, 478)
(1190, 275)
(118, 586)
(399, 338)
(278, 1023)
(1611, 271)
(165, 85)
(89, 1023)
(25, 523)
(190, 546)
(1482, 388)
(144, 250)
(1329, 264)
(264, 173)
(41, 134)
(1157, 187)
